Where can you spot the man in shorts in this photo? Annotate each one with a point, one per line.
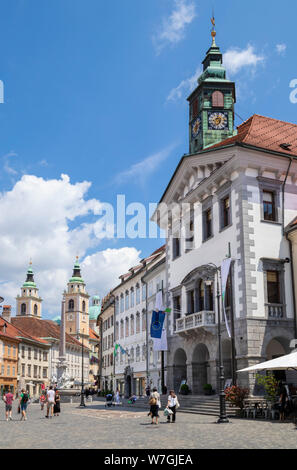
(8, 398)
(50, 398)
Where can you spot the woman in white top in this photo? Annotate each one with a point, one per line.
(172, 404)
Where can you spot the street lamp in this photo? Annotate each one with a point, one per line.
(82, 394)
(223, 416)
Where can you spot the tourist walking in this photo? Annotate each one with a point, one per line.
(155, 405)
(8, 399)
(42, 400)
(118, 398)
(50, 398)
(172, 405)
(24, 399)
(57, 407)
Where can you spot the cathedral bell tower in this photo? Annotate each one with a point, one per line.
(77, 306)
(29, 302)
(211, 117)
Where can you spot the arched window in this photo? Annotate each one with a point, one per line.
(209, 297)
(122, 328)
(137, 322)
(132, 324)
(143, 320)
(23, 308)
(217, 99)
(127, 327)
(83, 306)
(71, 304)
(35, 309)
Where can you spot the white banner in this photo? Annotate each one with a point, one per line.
(161, 344)
(225, 269)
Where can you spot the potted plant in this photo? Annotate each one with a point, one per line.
(270, 385)
(184, 389)
(207, 389)
(235, 396)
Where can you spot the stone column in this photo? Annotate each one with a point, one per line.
(62, 366)
(190, 375)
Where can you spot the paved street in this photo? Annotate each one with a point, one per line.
(97, 427)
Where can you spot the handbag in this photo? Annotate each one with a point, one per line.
(177, 404)
(167, 412)
(153, 401)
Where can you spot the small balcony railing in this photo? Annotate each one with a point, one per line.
(275, 310)
(195, 320)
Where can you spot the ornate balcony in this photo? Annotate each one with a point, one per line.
(275, 310)
(204, 319)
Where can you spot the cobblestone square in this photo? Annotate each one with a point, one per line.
(130, 428)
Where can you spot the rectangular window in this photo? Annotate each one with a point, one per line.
(13, 371)
(127, 301)
(45, 356)
(122, 304)
(176, 247)
(35, 372)
(35, 354)
(207, 224)
(273, 287)
(44, 372)
(269, 206)
(8, 370)
(176, 308)
(190, 235)
(29, 371)
(29, 353)
(23, 370)
(143, 291)
(191, 301)
(225, 207)
(137, 294)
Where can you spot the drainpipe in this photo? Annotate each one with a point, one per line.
(283, 195)
(290, 247)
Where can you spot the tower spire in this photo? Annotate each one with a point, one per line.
(213, 30)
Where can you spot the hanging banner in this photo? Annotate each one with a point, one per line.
(225, 269)
(160, 344)
(157, 324)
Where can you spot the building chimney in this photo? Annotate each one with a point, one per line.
(6, 313)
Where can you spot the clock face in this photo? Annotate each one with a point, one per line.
(218, 121)
(196, 127)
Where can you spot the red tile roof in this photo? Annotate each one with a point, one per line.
(144, 261)
(93, 334)
(13, 332)
(40, 328)
(264, 133)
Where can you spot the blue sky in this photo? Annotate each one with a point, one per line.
(97, 91)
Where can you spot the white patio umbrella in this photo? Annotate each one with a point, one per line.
(289, 361)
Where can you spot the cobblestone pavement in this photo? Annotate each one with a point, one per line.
(130, 428)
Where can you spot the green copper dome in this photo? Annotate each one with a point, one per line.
(95, 308)
(30, 278)
(76, 276)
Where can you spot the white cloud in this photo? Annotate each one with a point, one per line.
(101, 270)
(173, 28)
(140, 171)
(185, 87)
(37, 218)
(281, 48)
(7, 165)
(236, 59)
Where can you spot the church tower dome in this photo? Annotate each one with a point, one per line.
(77, 305)
(211, 113)
(29, 302)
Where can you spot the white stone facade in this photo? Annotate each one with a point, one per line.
(258, 248)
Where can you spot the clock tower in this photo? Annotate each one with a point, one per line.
(77, 306)
(211, 117)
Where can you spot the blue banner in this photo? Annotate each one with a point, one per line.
(157, 324)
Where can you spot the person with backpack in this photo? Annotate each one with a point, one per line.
(155, 404)
(24, 398)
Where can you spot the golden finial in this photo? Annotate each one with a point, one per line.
(213, 31)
